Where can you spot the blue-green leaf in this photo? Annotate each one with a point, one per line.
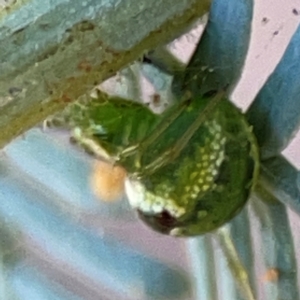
(275, 112)
(219, 57)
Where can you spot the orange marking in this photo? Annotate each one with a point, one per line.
(271, 275)
(107, 181)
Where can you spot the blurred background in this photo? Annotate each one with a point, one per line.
(59, 241)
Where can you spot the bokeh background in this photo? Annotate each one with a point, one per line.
(59, 241)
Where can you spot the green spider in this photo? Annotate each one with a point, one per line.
(190, 169)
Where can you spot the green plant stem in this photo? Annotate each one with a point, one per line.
(235, 264)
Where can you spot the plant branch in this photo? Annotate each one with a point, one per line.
(52, 54)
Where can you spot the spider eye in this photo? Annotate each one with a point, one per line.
(162, 222)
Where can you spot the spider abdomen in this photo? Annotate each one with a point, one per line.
(208, 183)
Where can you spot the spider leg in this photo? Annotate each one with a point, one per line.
(90, 145)
(162, 126)
(172, 153)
